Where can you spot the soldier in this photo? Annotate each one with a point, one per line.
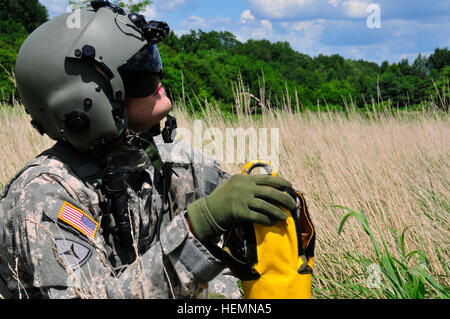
(115, 209)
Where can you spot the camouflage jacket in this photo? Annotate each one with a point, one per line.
(53, 239)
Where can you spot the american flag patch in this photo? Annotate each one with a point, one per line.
(78, 219)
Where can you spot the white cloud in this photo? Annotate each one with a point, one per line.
(305, 36)
(266, 25)
(247, 16)
(279, 9)
(252, 28)
(257, 29)
(334, 3)
(194, 22)
(170, 6)
(151, 13)
(301, 25)
(310, 9)
(355, 9)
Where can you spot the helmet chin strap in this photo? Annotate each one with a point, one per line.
(168, 132)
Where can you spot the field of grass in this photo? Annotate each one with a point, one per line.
(390, 170)
(377, 185)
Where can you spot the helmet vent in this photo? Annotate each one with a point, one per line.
(77, 122)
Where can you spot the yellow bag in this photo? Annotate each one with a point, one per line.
(274, 262)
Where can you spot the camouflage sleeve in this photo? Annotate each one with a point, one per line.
(62, 262)
(207, 176)
(195, 176)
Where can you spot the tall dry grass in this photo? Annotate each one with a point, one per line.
(393, 166)
(19, 141)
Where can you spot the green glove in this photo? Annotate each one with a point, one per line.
(241, 198)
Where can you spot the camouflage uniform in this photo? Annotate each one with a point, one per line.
(45, 255)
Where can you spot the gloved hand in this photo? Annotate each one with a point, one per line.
(241, 198)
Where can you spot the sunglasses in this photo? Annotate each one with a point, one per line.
(142, 73)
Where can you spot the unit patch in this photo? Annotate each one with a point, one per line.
(78, 219)
(71, 253)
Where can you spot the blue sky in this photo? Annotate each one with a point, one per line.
(407, 27)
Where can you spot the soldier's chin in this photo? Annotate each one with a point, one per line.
(163, 107)
(156, 118)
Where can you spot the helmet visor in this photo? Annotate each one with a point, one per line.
(142, 73)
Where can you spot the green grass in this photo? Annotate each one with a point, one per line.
(387, 277)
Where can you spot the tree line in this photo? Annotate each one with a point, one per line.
(206, 65)
(18, 18)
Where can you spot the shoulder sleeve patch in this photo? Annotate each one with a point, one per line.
(78, 219)
(71, 253)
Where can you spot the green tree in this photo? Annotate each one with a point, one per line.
(29, 13)
(366, 88)
(440, 89)
(17, 19)
(420, 66)
(439, 59)
(405, 69)
(335, 91)
(8, 52)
